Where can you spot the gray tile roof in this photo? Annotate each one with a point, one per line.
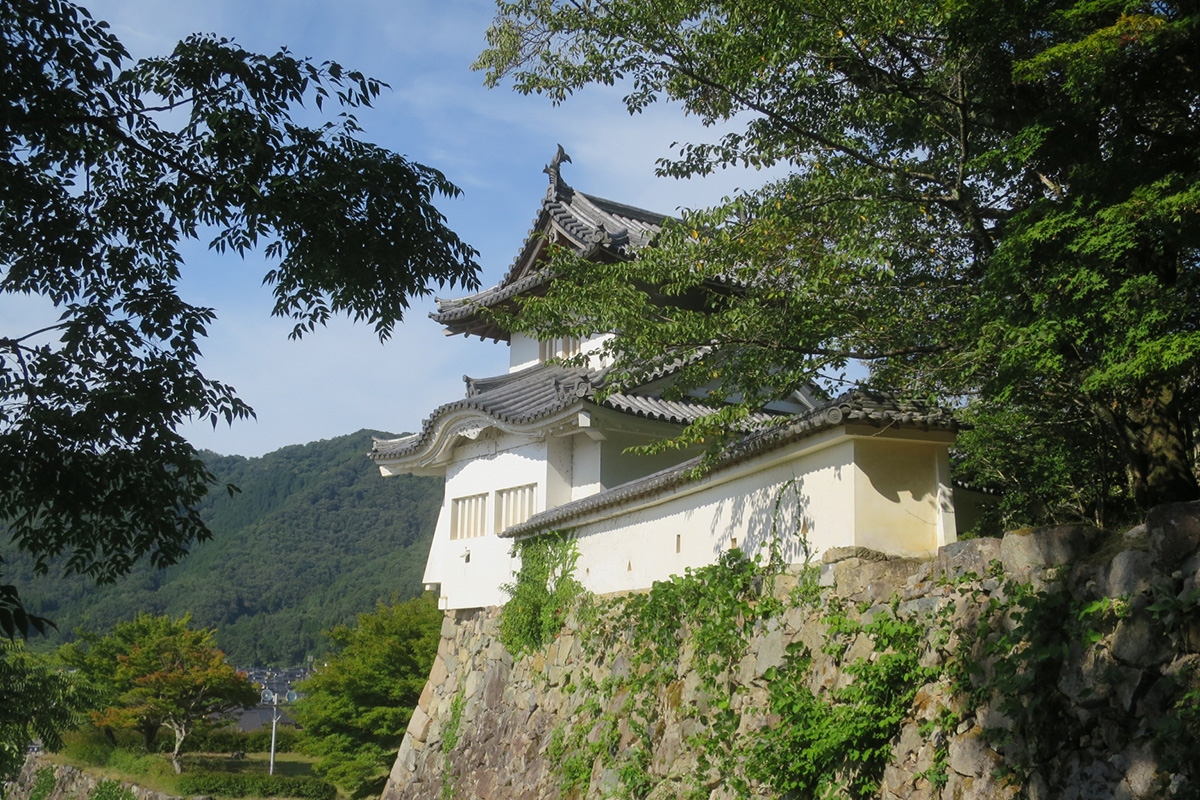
(590, 224)
(537, 392)
(680, 411)
(513, 398)
(871, 408)
(462, 308)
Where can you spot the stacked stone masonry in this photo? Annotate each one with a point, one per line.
(1114, 691)
(70, 783)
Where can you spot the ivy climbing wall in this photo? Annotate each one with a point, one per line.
(1050, 663)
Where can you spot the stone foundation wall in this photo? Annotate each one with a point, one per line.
(1107, 713)
(69, 783)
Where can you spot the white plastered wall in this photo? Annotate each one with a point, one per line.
(593, 347)
(812, 494)
(902, 496)
(471, 571)
(618, 466)
(522, 352)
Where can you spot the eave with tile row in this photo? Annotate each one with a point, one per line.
(531, 401)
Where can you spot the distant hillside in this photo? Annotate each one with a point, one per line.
(315, 537)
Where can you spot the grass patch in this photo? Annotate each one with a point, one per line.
(153, 770)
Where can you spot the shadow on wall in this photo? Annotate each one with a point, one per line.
(781, 517)
(889, 468)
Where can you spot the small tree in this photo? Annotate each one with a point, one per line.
(355, 710)
(156, 671)
(37, 701)
(97, 660)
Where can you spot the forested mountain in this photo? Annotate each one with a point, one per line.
(314, 537)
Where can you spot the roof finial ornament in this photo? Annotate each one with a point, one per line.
(553, 169)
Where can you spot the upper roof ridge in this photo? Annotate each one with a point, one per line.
(559, 190)
(593, 226)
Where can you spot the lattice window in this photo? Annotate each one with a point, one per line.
(515, 505)
(468, 516)
(564, 347)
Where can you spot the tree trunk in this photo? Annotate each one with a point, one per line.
(181, 733)
(1155, 435)
(149, 735)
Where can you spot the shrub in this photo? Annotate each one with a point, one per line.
(233, 740)
(216, 740)
(87, 747)
(223, 785)
(137, 763)
(286, 740)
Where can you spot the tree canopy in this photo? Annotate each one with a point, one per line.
(107, 165)
(356, 708)
(993, 202)
(152, 672)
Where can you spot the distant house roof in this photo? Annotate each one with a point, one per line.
(536, 393)
(870, 408)
(592, 226)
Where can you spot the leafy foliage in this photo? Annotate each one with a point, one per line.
(1027, 639)
(544, 591)
(841, 741)
(356, 708)
(37, 701)
(1054, 468)
(97, 659)
(107, 165)
(982, 200)
(232, 739)
(451, 732)
(272, 578)
(157, 671)
(709, 614)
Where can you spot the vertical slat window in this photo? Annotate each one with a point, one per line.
(564, 347)
(515, 505)
(468, 516)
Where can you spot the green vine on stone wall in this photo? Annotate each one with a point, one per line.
(543, 593)
(1013, 660)
(676, 657)
(703, 620)
(1177, 732)
(451, 732)
(840, 740)
(110, 790)
(44, 781)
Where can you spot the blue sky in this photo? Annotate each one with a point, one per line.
(492, 143)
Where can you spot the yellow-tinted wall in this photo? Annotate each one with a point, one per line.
(896, 500)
